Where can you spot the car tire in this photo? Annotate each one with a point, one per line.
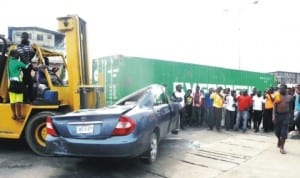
(175, 132)
(35, 132)
(150, 155)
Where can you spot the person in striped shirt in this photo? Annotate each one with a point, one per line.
(26, 53)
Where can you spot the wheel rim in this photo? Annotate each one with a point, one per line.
(153, 146)
(40, 134)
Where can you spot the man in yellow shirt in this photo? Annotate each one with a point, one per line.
(269, 104)
(217, 109)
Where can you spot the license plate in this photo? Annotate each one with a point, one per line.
(85, 129)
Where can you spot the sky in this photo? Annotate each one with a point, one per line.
(260, 36)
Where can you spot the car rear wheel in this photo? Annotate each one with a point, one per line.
(35, 132)
(151, 154)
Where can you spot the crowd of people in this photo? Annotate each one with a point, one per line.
(276, 109)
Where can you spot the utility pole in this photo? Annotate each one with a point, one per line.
(239, 31)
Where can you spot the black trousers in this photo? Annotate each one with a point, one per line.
(267, 121)
(257, 116)
(282, 124)
(216, 118)
(229, 119)
(197, 116)
(28, 83)
(250, 117)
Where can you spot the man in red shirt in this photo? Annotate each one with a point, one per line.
(198, 106)
(244, 101)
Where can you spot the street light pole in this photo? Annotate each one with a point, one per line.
(239, 46)
(239, 33)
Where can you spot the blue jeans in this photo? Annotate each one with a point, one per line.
(207, 116)
(241, 115)
(197, 116)
(297, 119)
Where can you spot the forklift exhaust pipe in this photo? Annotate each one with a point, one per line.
(83, 98)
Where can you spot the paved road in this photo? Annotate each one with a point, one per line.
(193, 153)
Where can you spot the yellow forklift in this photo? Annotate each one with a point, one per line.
(59, 95)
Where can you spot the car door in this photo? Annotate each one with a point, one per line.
(161, 109)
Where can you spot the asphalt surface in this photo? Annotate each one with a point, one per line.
(193, 153)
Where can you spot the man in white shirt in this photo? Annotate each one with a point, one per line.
(178, 96)
(230, 107)
(258, 102)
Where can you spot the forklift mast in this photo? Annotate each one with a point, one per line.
(82, 92)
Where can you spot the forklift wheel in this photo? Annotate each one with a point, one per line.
(36, 132)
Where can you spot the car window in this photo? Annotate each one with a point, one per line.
(159, 97)
(146, 100)
(132, 98)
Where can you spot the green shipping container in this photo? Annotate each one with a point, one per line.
(123, 75)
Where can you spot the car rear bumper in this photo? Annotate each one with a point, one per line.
(114, 147)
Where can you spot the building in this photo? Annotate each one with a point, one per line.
(289, 78)
(43, 37)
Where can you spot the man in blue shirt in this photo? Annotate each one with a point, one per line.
(297, 107)
(208, 107)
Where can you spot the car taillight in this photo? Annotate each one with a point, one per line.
(50, 129)
(124, 126)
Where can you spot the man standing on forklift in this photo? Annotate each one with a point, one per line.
(26, 53)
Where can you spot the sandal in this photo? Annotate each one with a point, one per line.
(20, 118)
(282, 151)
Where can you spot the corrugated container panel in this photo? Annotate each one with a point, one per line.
(122, 75)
